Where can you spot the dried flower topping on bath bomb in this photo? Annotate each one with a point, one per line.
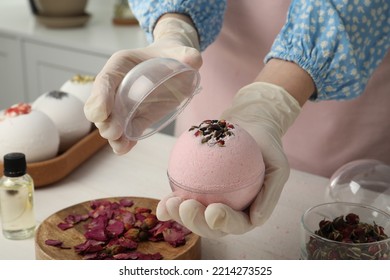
(80, 86)
(213, 131)
(18, 109)
(82, 79)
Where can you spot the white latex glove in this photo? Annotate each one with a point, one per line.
(265, 111)
(173, 38)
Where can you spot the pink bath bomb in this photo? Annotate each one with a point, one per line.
(217, 162)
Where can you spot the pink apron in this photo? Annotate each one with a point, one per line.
(327, 134)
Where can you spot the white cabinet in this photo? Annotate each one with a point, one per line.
(48, 66)
(11, 72)
(29, 69)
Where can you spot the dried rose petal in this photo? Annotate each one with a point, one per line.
(115, 228)
(96, 234)
(160, 227)
(180, 227)
(56, 243)
(113, 231)
(126, 202)
(352, 219)
(75, 219)
(174, 237)
(65, 226)
(100, 222)
(52, 242)
(89, 246)
(128, 219)
(140, 217)
(91, 256)
(72, 220)
(100, 202)
(141, 210)
(127, 243)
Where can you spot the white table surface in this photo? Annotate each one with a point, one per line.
(142, 173)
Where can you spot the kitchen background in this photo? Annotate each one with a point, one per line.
(35, 58)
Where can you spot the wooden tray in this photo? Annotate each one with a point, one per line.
(48, 229)
(50, 171)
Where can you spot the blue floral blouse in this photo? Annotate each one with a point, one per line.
(338, 42)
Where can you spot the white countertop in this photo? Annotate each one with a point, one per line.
(142, 173)
(99, 35)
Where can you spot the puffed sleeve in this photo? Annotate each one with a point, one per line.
(207, 15)
(338, 42)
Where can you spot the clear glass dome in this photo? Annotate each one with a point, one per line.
(363, 181)
(152, 94)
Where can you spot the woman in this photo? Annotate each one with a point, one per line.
(326, 50)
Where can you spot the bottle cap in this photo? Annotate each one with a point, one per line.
(14, 164)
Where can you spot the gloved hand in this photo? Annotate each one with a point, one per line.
(265, 111)
(173, 38)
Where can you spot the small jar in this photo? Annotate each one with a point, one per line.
(16, 198)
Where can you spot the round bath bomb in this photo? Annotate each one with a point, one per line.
(66, 111)
(28, 131)
(216, 161)
(79, 86)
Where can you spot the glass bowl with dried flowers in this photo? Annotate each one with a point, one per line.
(345, 231)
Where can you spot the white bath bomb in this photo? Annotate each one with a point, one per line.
(28, 131)
(79, 86)
(66, 111)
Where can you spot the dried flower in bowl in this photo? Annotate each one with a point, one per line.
(354, 236)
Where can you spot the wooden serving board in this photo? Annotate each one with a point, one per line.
(48, 229)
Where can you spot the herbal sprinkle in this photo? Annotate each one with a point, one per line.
(213, 132)
(347, 230)
(82, 79)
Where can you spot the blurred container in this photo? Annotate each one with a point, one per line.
(60, 14)
(59, 8)
(363, 181)
(316, 233)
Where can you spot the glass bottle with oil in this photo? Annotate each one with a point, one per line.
(16, 198)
